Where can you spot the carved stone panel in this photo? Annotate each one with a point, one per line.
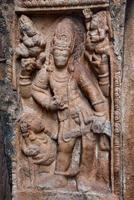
(65, 74)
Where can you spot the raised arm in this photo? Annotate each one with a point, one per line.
(40, 89)
(92, 92)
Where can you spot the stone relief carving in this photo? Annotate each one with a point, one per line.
(64, 129)
(35, 141)
(98, 46)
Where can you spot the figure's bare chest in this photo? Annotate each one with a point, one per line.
(62, 83)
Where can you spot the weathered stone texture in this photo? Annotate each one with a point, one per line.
(6, 100)
(120, 181)
(54, 195)
(4, 180)
(128, 105)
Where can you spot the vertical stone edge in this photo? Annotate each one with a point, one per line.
(117, 9)
(8, 97)
(128, 105)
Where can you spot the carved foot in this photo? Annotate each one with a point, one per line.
(71, 172)
(83, 184)
(91, 185)
(48, 182)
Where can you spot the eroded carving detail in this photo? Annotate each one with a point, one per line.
(98, 46)
(48, 3)
(117, 128)
(35, 141)
(64, 130)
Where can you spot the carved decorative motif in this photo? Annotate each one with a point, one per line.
(49, 3)
(117, 128)
(63, 133)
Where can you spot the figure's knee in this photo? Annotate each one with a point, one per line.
(89, 142)
(66, 147)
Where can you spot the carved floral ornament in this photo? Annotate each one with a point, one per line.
(63, 132)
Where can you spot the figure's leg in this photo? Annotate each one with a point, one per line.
(103, 172)
(65, 148)
(74, 167)
(88, 162)
(64, 156)
(87, 175)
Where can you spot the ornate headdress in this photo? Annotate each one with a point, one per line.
(26, 24)
(64, 36)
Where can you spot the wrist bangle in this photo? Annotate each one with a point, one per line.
(97, 102)
(25, 77)
(99, 114)
(104, 83)
(25, 83)
(103, 75)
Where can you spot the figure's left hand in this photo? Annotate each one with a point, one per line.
(100, 63)
(101, 125)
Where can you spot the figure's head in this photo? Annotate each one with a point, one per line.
(63, 42)
(31, 122)
(94, 22)
(26, 26)
(99, 20)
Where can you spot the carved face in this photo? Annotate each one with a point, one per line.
(26, 26)
(24, 127)
(61, 56)
(63, 42)
(31, 122)
(61, 50)
(94, 23)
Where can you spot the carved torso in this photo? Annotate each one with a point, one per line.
(64, 87)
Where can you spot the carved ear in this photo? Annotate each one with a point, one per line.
(73, 44)
(52, 45)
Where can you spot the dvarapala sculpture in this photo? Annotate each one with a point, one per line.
(64, 128)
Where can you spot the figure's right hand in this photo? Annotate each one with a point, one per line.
(57, 104)
(28, 66)
(54, 105)
(22, 50)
